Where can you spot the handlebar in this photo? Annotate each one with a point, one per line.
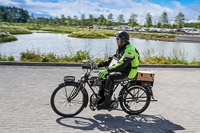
(89, 65)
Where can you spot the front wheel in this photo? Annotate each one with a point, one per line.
(68, 99)
(134, 100)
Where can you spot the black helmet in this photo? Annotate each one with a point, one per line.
(123, 35)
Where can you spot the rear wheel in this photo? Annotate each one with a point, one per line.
(67, 100)
(134, 100)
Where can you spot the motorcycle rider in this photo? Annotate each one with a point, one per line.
(127, 61)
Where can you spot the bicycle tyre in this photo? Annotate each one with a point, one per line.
(124, 100)
(82, 93)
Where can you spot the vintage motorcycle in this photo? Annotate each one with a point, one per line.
(71, 97)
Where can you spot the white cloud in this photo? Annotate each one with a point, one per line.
(8, 3)
(67, 8)
(116, 7)
(178, 4)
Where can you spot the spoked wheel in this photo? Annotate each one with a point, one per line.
(67, 100)
(135, 100)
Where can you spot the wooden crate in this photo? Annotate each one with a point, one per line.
(145, 76)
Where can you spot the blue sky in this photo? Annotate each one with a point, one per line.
(47, 8)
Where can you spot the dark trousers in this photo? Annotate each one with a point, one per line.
(107, 90)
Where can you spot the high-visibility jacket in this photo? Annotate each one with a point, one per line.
(128, 57)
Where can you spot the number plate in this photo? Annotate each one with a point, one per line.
(69, 78)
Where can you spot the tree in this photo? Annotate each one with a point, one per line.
(83, 19)
(90, 21)
(75, 20)
(164, 18)
(101, 20)
(159, 25)
(179, 20)
(110, 20)
(57, 21)
(148, 20)
(110, 17)
(13, 14)
(63, 19)
(32, 18)
(121, 18)
(133, 20)
(68, 20)
(199, 18)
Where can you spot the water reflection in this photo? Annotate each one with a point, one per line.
(61, 44)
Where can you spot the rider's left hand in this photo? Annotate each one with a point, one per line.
(103, 73)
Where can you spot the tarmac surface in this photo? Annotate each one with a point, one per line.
(25, 93)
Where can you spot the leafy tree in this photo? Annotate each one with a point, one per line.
(159, 25)
(164, 18)
(133, 20)
(148, 20)
(179, 20)
(63, 19)
(83, 19)
(91, 19)
(199, 18)
(13, 14)
(56, 21)
(75, 20)
(121, 18)
(68, 20)
(109, 20)
(101, 20)
(110, 17)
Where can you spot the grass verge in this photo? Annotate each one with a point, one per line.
(6, 37)
(154, 36)
(14, 30)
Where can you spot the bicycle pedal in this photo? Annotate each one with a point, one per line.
(93, 108)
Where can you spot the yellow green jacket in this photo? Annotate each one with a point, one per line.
(128, 57)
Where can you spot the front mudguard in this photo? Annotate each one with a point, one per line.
(82, 88)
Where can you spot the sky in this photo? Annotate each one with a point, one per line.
(55, 8)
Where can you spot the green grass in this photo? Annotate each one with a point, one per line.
(177, 56)
(163, 60)
(14, 29)
(29, 26)
(105, 32)
(31, 56)
(154, 36)
(60, 29)
(6, 37)
(88, 34)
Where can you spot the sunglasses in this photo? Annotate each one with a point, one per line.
(117, 38)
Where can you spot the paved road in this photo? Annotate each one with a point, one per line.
(25, 94)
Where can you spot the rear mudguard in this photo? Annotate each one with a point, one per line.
(85, 93)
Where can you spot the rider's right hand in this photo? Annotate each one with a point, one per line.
(103, 73)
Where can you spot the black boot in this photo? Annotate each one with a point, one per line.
(101, 95)
(106, 103)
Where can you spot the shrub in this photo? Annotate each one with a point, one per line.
(6, 37)
(30, 56)
(3, 58)
(81, 55)
(11, 58)
(178, 56)
(88, 34)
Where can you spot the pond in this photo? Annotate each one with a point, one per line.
(61, 44)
